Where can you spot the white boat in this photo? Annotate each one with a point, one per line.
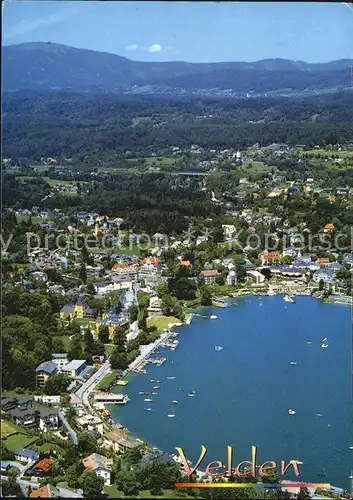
(291, 412)
(175, 401)
(171, 414)
(289, 299)
(148, 408)
(154, 393)
(148, 400)
(141, 393)
(271, 292)
(294, 363)
(319, 415)
(324, 345)
(192, 394)
(156, 387)
(213, 316)
(309, 343)
(351, 447)
(171, 378)
(218, 348)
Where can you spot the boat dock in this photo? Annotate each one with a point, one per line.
(170, 344)
(157, 361)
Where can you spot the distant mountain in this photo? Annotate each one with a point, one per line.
(50, 66)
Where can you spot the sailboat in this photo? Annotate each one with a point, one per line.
(148, 408)
(192, 394)
(324, 342)
(171, 414)
(291, 412)
(323, 473)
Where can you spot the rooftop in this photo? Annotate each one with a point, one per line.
(75, 364)
(47, 366)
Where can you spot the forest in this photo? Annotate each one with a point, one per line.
(100, 127)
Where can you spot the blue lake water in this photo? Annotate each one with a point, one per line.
(244, 391)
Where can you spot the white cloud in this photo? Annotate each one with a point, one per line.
(155, 48)
(134, 46)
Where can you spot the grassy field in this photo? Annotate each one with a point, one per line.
(107, 381)
(8, 428)
(51, 182)
(113, 492)
(254, 167)
(162, 322)
(328, 153)
(160, 161)
(18, 441)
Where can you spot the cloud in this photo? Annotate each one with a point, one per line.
(155, 48)
(26, 26)
(134, 46)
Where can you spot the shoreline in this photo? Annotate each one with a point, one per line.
(150, 348)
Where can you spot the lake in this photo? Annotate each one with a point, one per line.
(245, 389)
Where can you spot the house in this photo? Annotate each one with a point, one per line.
(228, 231)
(150, 264)
(118, 283)
(100, 465)
(120, 441)
(44, 466)
(185, 263)
(290, 252)
(155, 307)
(44, 371)
(209, 276)
(325, 275)
(94, 271)
(75, 367)
(231, 278)
(5, 466)
(47, 491)
(60, 359)
(9, 403)
(322, 261)
(269, 257)
(48, 419)
(111, 320)
(78, 310)
(28, 418)
(26, 455)
(329, 228)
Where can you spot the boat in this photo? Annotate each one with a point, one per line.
(147, 393)
(171, 378)
(289, 299)
(324, 345)
(351, 447)
(154, 393)
(271, 292)
(175, 401)
(309, 343)
(319, 415)
(322, 473)
(192, 394)
(141, 393)
(148, 408)
(156, 387)
(148, 400)
(291, 412)
(218, 348)
(171, 414)
(294, 363)
(213, 316)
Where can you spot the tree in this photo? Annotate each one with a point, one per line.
(86, 443)
(88, 343)
(92, 485)
(119, 338)
(75, 349)
(206, 296)
(321, 285)
(103, 334)
(133, 312)
(57, 384)
(118, 360)
(83, 273)
(303, 494)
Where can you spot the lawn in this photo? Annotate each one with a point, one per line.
(328, 153)
(8, 428)
(46, 447)
(109, 348)
(113, 492)
(18, 441)
(160, 161)
(107, 381)
(162, 322)
(51, 182)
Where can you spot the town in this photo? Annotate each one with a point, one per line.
(85, 310)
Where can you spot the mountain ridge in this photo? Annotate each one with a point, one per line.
(47, 66)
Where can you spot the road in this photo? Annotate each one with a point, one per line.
(88, 386)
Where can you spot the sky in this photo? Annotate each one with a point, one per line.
(187, 31)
